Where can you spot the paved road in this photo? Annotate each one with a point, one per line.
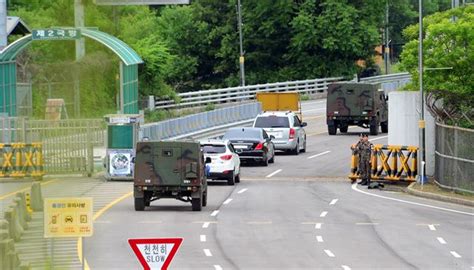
(305, 216)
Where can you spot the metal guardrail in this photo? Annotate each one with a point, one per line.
(248, 92)
(187, 125)
(390, 82)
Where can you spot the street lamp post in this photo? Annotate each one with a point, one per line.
(421, 123)
(241, 58)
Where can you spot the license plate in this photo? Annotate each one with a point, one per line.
(240, 146)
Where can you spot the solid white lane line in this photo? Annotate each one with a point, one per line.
(318, 226)
(312, 110)
(455, 254)
(354, 187)
(441, 240)
(319, 238)
(273, 173)
(333, 202)
(320, 154)
(366, 223)
(432, 227)
(205, 225)
(242, 190)
(227, 201)
(329, 253)
(217, 267)
(214, 213)
(203, 238)
(323, 214)
(345, 267)
(207, 252)
(378, 138)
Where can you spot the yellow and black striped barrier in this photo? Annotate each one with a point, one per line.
(21, 160)
(390, 162)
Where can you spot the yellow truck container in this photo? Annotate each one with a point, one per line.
(284, 101)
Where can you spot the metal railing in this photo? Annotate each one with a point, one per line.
(390, 82)
(188, 125)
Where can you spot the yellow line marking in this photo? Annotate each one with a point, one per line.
(25, 189)
(96, 216)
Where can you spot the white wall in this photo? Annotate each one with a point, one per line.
(403, 116)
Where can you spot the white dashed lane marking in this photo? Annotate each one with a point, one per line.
(318, 226)
(320, 154)
(345, 267)
(319, 238)
(227, 201)
(205, 225)
(207, 252)
(218, 267)
(432, 227)
(441, 240)
(323, 214)
(203, 238)
(273, 173)
(214, 213)
(329, 253)
(333, 202)
(455, 254)
(242, 190)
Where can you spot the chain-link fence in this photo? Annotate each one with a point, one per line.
(455, 157)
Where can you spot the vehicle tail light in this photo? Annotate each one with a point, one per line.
(259, 146)
(292, 133)
(226, 157)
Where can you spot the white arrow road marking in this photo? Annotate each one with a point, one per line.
(273, 173)
(318, 226)
(455, 254)
(227, 201)
(441, 240)
(203, 238)
(320, 154)
(214, 213)
(329, 253)
(333, 202)
(345, 267)
(319, 238)
(218, 267)
(207, 252)
(242, 191)
(323, 214)
(354, 187)
(432, 227)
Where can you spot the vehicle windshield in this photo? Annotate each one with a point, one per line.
(272, 122)
(213, 148)
(243, 134)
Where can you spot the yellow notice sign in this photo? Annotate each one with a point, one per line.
(67, 217)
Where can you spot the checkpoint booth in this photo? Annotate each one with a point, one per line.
(122, 135)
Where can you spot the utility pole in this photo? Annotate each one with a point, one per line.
(387, 50)
(421, 123)
(3, 24)
(241, 58)
(79, 23)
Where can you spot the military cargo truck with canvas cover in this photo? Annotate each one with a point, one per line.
(173, 170)
(356, 104)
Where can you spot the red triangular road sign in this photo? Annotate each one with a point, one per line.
(155, 253)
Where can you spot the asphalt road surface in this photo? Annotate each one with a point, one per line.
(299, 213)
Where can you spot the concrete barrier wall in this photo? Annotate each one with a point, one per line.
(403, 117)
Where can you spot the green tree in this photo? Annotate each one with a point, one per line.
(448, 43)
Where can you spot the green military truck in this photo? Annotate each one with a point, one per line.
(356, 104)
(173, 170)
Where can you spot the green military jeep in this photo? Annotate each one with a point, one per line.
(173, 170)
(356, 104)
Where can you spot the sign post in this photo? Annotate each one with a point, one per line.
(156, 253)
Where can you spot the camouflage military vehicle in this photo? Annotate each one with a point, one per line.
(173, 170)
(356, 104)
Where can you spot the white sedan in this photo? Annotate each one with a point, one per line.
(225, 162)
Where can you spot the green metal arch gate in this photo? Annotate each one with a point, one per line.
(128, 71)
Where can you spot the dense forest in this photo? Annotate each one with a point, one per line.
(196, 46)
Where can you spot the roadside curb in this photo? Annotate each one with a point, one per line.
(412, 191)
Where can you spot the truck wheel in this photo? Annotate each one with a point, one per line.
(384, 127)
(374, 129)
(332, 130)
(231, 179)
(204, 198)
(139, 204)
(197, 203)
(343, 129)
